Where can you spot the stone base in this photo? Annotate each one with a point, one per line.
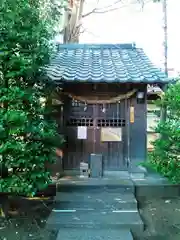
(116, 174)
(135, 176)
(91, 234)
(138, 172)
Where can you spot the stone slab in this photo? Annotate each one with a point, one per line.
(155, 186)
(116, 174)
(157, 191)
(96, 201)
(95, 220)
(88, 234)
(119, 185)
(138, 169)
(137, 176)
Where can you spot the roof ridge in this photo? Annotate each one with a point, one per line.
(96, 46)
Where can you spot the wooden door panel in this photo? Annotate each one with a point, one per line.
(79, 150)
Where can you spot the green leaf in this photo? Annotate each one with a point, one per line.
(166, 155)
(28, 136)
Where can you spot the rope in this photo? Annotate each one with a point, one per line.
(89, 99)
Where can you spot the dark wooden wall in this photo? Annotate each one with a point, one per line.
(116, 155)
(138, 133)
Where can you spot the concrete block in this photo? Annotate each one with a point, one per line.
(100, 200)
(95, 220)
(91, 234)
(96, 165)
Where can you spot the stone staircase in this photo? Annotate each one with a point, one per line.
(95, 210)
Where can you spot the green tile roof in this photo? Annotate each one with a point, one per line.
(123, 63)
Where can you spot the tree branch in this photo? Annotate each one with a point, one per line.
(102, 10)
(105, 11)
(75, 30)
(89, 13)
(110, 8)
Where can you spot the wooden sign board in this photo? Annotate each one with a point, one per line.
(111, 134)
(131, 114)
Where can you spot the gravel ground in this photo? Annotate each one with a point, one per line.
(162, 219)
(27, 224)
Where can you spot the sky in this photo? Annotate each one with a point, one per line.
(130, 23)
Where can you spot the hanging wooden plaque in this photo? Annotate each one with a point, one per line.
(109, 134)
(131, 114)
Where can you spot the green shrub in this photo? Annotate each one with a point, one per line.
(27, 130)
(165, 158)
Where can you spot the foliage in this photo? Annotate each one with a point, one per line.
(27, 131)
(53, 11)
(166, 155)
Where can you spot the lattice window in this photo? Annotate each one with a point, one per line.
(111, 122)
(88, 122)
(73, 122)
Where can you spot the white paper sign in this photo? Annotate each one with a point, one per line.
(82, 132)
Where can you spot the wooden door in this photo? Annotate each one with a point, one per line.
(111, 118)
(95, 118)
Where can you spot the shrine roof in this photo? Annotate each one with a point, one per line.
(123, 63)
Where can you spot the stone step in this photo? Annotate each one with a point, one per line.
(96, 185)
(94, 234)
(95, 219)
(96, 201)
(155, 187)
